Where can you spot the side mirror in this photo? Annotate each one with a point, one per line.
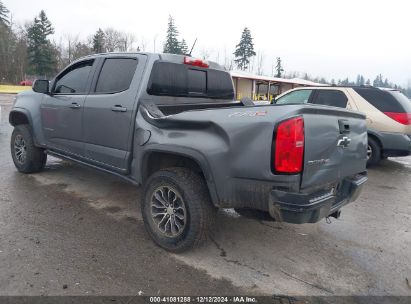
(41, 86)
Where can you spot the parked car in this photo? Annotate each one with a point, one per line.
(26, 83)
(170, 123)
(388, 114)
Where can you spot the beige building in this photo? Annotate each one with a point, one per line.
(259, 87)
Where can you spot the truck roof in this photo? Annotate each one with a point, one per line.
(176, 58)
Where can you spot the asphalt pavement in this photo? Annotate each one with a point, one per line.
(71, 230)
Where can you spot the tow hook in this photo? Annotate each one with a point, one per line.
(336, 214)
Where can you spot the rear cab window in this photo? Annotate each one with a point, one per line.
(179, 80)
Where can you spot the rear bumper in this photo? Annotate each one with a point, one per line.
(395, 144)
(299, 208)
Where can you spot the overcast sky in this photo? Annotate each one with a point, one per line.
(334, 39)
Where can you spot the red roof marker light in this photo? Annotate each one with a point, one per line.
(196, 62)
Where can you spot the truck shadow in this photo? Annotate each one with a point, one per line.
(252, 253)
(393, 165)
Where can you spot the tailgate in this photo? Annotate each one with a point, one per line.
(335, 146)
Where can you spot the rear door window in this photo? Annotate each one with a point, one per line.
(385, 101)
(116, 75)
(299, 96)
(334, 98)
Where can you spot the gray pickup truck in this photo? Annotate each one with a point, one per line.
(171, 124)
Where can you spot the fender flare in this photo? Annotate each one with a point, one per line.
(186, 152)
(27, 114)
(377, 135)
(23, 111)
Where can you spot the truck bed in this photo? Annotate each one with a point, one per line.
(233, 127)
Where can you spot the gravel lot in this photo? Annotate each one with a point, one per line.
(71, 230)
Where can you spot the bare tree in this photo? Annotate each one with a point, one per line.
(70, 41)
(143, 45)
(81, 49)
(205, 53)
(228, 60)
(251, 66)
(114, 40)
(260, 63)
(128, 40)
(292, 74)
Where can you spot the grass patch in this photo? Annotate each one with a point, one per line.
(12, 89)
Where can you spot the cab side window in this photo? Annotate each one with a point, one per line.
(333, 98)
(74, 80)
(300, 96)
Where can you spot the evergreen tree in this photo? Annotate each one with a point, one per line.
(4, 15)
(99, 41)
(323, 80)
(183, 47)
(7, 44)
(41, 53)
(360, 80)
(345, 82)
(172, 45)
(244, 50)
(368, 82)
(279, 68)
(378, 81)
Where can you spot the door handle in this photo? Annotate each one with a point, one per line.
(344, 126)
(118, 108)
(74, 105)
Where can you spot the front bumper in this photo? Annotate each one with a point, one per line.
(299, 208)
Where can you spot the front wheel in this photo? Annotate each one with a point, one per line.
(26, 156)
(176, 209)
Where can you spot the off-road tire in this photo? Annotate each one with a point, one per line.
(200, 212)
(35, 158)
(375, 156)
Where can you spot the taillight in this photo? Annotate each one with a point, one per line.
(196, 62)
(402, 118)
(289, 146)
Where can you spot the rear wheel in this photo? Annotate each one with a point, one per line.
(176, 209)
(26, 156)
(373, 152)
